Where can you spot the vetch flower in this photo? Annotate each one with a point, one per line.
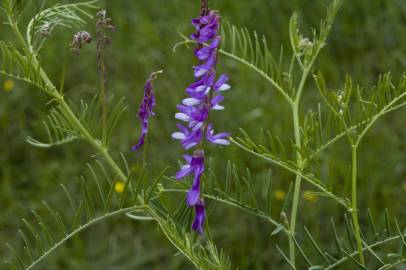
(188, 138)
(146, 109)
(219, 138)
(195, 166)
(204, 96)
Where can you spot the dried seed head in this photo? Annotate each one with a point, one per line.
(79, 39)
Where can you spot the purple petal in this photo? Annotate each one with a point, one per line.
(200, 216)
(221, 83)
(188, 158)
(193, 195)
(140, 142)
(185, 170)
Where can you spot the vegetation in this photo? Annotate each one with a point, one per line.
(314, 175)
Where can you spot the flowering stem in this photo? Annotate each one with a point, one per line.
(354, 212)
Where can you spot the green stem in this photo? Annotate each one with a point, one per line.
(298, 181)
(145, 151)
(102, 100)
(299, 163)
(354, 212)
(78, 230)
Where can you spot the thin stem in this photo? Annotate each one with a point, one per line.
(350, 256)
(311, 180)
(298, 181)
(260, 72)
(102, 100)
(299, 164)
(303, 80)
(354, 212)
(145, 150)
(234, 203)
(78, 230)
(248, 64)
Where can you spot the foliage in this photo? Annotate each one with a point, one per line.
(146, 195)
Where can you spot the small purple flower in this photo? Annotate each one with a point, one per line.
(200, 217)
(188, 138)
(195, 166)
(146, 109)
(219, 138)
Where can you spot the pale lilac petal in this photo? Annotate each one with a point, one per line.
(222, 141)
(218, 108)
(182, 116)
(178, 135)
(224, 87)
(191, 101)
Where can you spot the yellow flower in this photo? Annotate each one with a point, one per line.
(309, 196)
(280, 194)
(8, 85)
(404, 186)
(119, 187)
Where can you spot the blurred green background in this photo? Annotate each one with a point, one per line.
(367, 39)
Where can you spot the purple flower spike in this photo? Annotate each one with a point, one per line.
(204, 96)
(200, 217)
(146, 109)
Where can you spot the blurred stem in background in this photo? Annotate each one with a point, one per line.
(354, 212)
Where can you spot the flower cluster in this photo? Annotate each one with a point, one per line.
(204, 96)
(146, 109)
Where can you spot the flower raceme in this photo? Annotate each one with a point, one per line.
(146, 109)
(205, 95)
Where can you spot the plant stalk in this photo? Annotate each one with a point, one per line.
(354, 212)
(299, 164)
(298, 182)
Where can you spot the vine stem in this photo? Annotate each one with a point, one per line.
(354, 212)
